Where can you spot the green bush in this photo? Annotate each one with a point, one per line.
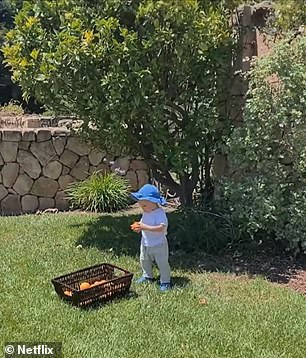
(105, 192)
(13, 108)
(268, 151)
(195, 230)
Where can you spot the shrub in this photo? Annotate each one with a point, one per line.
(269, 150)
(193, 229)
(100, 193)
(13, 108)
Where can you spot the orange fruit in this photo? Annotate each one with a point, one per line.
(135, 225)
(68, 293)
(84, 286)
(97, 283)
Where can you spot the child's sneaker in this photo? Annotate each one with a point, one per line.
(165, 286)
(144, 279)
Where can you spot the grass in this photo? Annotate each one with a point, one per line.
(244, 318)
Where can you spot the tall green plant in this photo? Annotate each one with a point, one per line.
(147, 77)
(100, 193)
(269, 149)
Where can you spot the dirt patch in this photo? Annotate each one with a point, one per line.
(278, 269)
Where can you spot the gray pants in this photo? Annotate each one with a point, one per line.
(160, 255)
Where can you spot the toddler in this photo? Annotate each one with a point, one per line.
(153, 227)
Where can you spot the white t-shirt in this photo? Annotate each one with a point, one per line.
(154, 218)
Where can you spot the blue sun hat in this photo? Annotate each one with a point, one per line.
(149, 192)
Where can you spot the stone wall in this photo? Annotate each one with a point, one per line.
(37, 165)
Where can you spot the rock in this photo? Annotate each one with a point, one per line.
(59, 144)
(23, 184)
(103, 168)
(1, 160)
(80, 171)
(28, 136)
(95, 157)
(64, 181)
(65, 170)
(11, 205)
(53, 170)
(92, 169)
(138, 165)
(11, 191)
(43, 135)
(61, 201)
(45, 187)
(3, 192)
(8, 151)
(142, 178)
(44, 152)
(24, 145)
(29, 203)
(121, 164)
(77, 146)
(46, 203)
(69, 158)
(11, 135)
(29, 164)
(132, 178)
(22, 155)
(9, 174)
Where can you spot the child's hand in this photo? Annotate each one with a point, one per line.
(136, 227)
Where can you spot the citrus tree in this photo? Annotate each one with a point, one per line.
(146, 77)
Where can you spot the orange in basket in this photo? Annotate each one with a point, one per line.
(68, 293)
(84, 286)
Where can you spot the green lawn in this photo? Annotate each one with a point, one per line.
(244, 318)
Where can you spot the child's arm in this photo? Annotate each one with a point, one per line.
(157, 228)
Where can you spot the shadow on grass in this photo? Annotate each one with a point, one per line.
(112, 233)
(99, 305)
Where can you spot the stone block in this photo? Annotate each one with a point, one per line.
(44, 152)
(23, 145)
(29, 203)
(95, 157)
(28, 136)
(29, 164)
(46, 203)
(23, 184)
(61, 201)
(121, 164)
(65, 170)
(3, 192)
(80, 171)
(53, 170)
(8, 151)
(77, 146)
(11, 205)
(142, 178)
(138, 165)
(11, 135)
(43, 135)
(69, 158)
(9, 174)
(59, 144)
(64, 181)
(132, 178)
(44, 187)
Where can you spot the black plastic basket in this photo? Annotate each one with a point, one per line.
(117, 283)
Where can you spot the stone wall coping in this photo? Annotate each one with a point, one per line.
(55, 131)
